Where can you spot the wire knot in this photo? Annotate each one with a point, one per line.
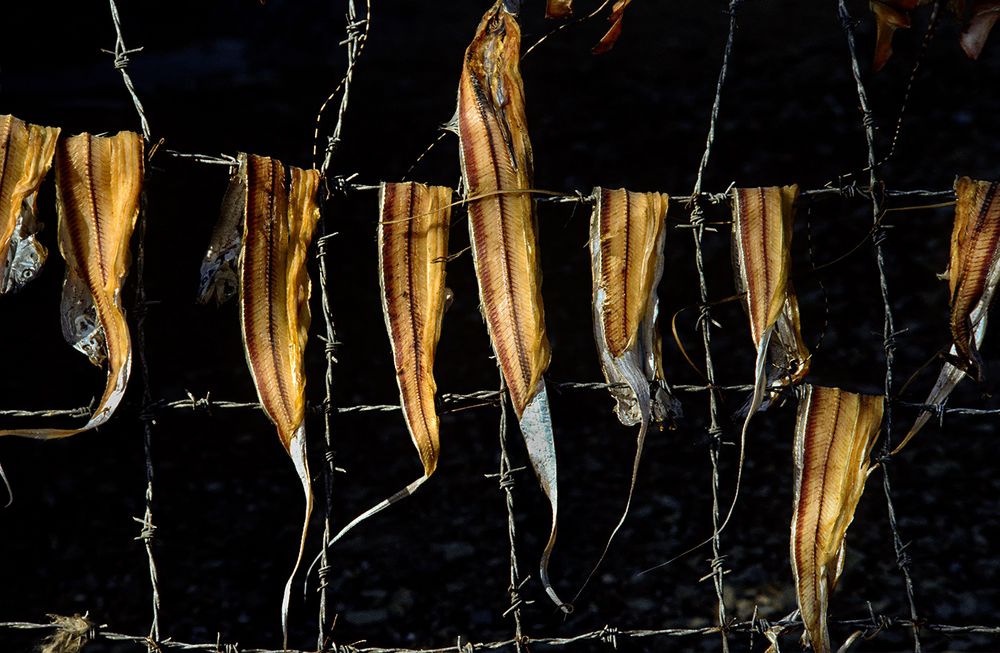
(609, 635)
(704, 317)
(697, 217)
(148, 531)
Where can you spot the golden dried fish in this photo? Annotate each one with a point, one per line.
(627, 233)
(413, 249)
(611, 37)
(26, 152)
(274, 291)
(835, 432)
(497, 171)
(219, 275)
(762, 258)
(559, 9)
(98, 184)
(973, 274)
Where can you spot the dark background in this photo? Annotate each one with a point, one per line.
(222, 77)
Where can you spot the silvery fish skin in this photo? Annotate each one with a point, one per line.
(219, 275)
(973, 274)
(26, 153)
(98, 187)
(835, 432)
(274, 289)
(413, 251)
(497, 172)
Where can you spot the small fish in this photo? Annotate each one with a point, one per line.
(98, 187)
(497, 172)
(973, 273)
(627, 233)
(835, 432)
(274, 289)
(219, 275)
(26, 153)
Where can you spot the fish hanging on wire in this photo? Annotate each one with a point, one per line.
(279, 218)
(627, 233)
(26, 153)
(98, 187)
(835, 432)
(979, 17)
(412, 253)
(973, 273)
(497, 172)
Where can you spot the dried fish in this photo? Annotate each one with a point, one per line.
(26, 153)
(762, 238)
(835, 432)
(973, 274)
(611, 36)
(627, 233)
(274, 289)
(890, 15)
(497, 172)
(985, 14)
(98, 184)
(219, 274)
(559, 9)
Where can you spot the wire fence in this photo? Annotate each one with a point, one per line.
(872, 190)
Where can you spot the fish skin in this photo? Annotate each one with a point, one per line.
(559, 8)
(219, 276)
(274, 291)
(985, 14)
(495, 155)
(609, 39)
(835, 433)
(413, 250)
(98, 187)
(973, 274)
(26, 153)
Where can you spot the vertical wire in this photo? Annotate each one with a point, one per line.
(889, 332)
(506, 481)
(704, 323)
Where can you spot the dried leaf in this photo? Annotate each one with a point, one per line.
(497, 171)
(219, 276)
(559, 9)
(274, 294)
(413, 249)
(26, 153)
(611, 36)
(626, 255)
(835, 432)
(984, 16)
(98, 184)
(973, 274)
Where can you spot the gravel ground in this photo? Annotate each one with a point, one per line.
(239, 76)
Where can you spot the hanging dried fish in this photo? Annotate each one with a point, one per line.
(611, 37)
(890, 15)
(559, 9)
(98, 184)
(762, 258)
(973, 273)
(219, 274)
(497, 172)
(627, 233)
(273, 284)
(985, 14)
(26, 153)
(835, 432)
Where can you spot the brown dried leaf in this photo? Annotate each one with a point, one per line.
(835, 432)
(973, 274)
(413, 250)
(26, 153)
(559, 9)
(98, 184)
(611, 36)
(497, 171)
(274, 294)
(985, 14)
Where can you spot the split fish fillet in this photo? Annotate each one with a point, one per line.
(98, 186)
(26, 153)
(835, 432)
(497, 172)
(973, 273)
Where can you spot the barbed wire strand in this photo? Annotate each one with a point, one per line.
(697, 222)
(889, 333)
(122, 54)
